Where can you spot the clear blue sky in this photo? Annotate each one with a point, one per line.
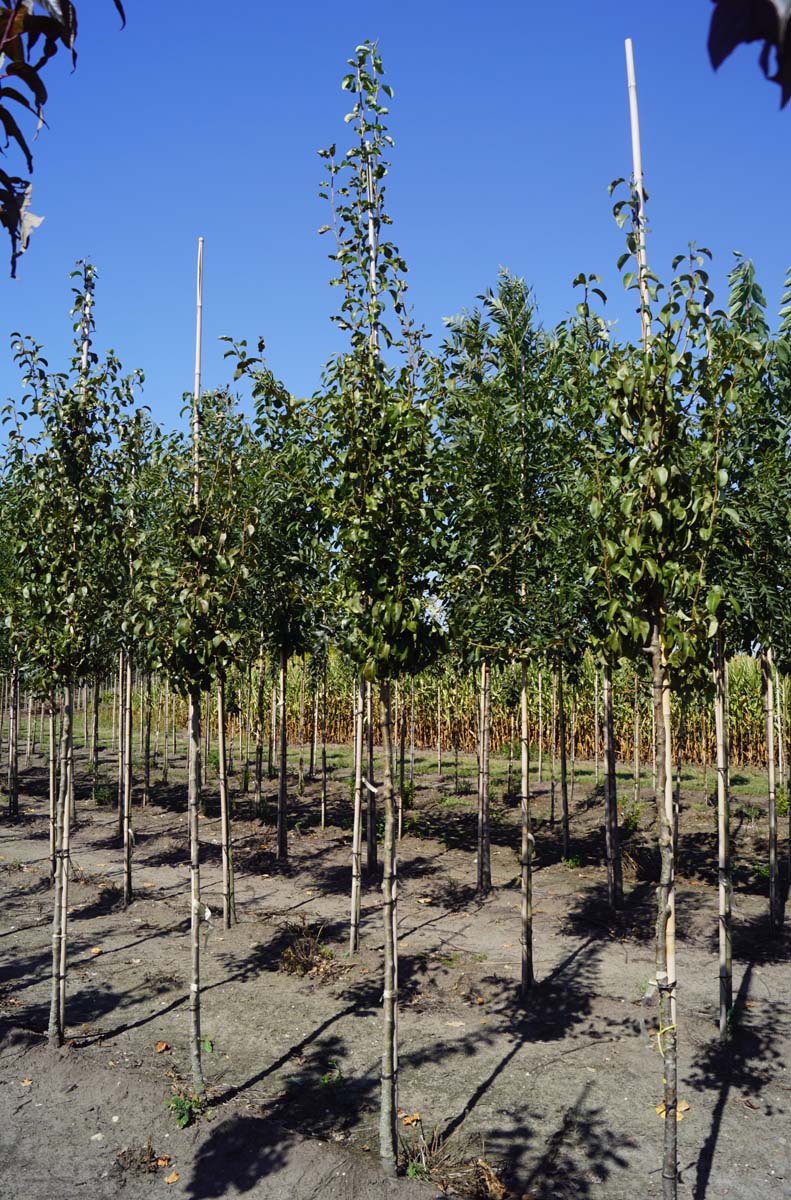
(510, 119)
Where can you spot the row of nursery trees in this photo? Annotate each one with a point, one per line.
(502, 504)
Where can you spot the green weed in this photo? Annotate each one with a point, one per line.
(186, 1108)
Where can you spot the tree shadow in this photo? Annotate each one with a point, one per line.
(745, 1064)
(238, 1154)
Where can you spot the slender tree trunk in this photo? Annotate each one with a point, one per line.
(97, 696)
(359, 718)
(272, 727)
(225, 816)
(636, 743)
(767, 690)
(412, 739)
(611, 837)
(128, 783)
(314, 727)
(526, 865)
(258, 785)
(484, 873)
(401, 759)
(324, 744)
(196, 904)
(564, 788)
(60, 894)
(120, 706)
(165, 742)
(301, 730)
(282, 784)
(540, 729)
(147, 739)
(13, 745)
(388, 1137)
(371, 863)
(31, 725)
(725, 886)
(439, 732)
(666, 913)
(595, 728)
(53, 796)
(510, 775)
(554, 747)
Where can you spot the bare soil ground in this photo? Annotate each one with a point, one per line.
(557, 1097)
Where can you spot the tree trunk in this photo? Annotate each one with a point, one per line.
(270, 767)
(128, 784)
(359, 717)
(526, 865)
(324, 744)
(258, 785)
(97, 696)
(540, 728)
(564, 787)
(314, 728)
(767, 690)
(596, 728)
(147, 740)
(225, 815)
(611, 837)
(165, 743)
(301, 731)
(484, 872)
(439, 733)
(282, 782)
(53, 797)
(120, 706)
(723, 840)
(636, 743)
(60, 914)
(371, 863)
(13, 745)
(554, 728)
(388, 1136)
(666, 914)
(196, 905)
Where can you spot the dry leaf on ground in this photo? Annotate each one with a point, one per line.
(161, 1047)
(173, 1177)
(26, 1082)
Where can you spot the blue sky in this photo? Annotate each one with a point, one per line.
(510, 119)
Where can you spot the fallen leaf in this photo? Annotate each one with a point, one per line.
(507, 945)
(163, 1160)
(26, 1082)
(424, 899)
(749, 1104)
(161, 1047)
(479, 999)
(681, 1108)
(147, 883)
(173, 1177)
(413, 1120)
(96, 950)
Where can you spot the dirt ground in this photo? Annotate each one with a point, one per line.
(558, 1097)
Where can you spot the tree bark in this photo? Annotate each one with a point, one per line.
(359, 716)
(611, 835)
(196, 904)
(128, 783)
(388, 1136)
(225, 817)
(13, 745)
(725, 886)
(371, 861)
(526, 865)
(282, 783)
(564, 787)
(767, 691)
(484, 872)
(60, 914)
(666, 912)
